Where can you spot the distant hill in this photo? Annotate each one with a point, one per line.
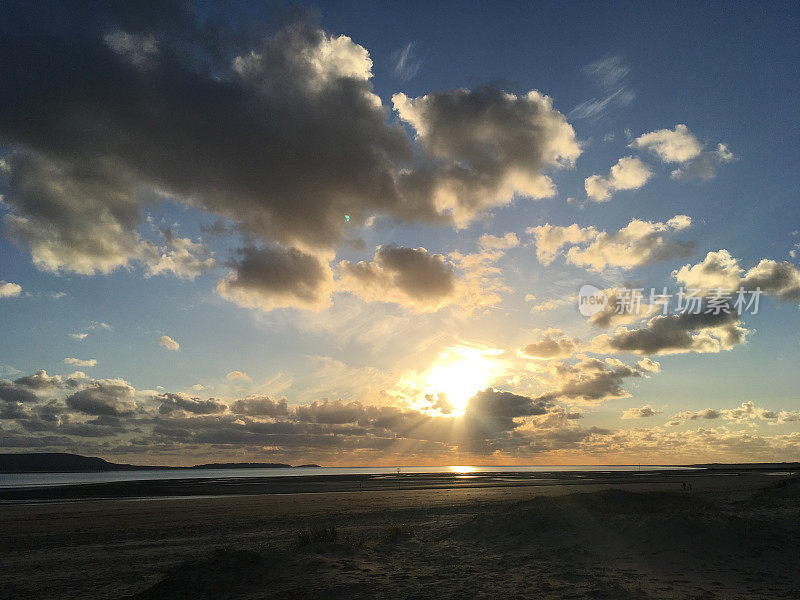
(60, 462)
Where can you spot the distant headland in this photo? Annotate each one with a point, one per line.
(61, 462)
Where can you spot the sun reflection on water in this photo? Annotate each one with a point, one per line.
(461, 469)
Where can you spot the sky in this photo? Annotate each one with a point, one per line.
(400, 233)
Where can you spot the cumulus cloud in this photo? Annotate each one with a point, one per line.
(648, 364)
(276, 277)
(628, 174)
(509, 240)
(642, 412)
(676, 334)
(502, 408)
(40, 381)
(485, 146)
(745, 412)
(720, 270)
(672, 146)
(260, 406)
(109, 416)
(412, 277)
(180, 257)
(167, 342)
(13, 393)
(183, 402)
(77, 362)
(103, 397)
(589, 381)
(638, 243)
(693, 415)
(704, 166)
(551, 238)
(9, 290)
(283, 136)
(680, 146)
(554, 344)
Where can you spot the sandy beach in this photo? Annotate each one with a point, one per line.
(735, 535)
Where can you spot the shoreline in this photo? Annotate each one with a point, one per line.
(325, 483)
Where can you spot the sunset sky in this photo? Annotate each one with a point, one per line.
(354, 233)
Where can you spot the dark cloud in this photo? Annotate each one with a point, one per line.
(104, 397)
(107, 109)
(485, 145)
(677, 333)
(589, 381)
(412, 277)
(173, 402)
(39, 381)
(554, 344)
(781, 279)
(13, 393)
(260, 406)
(497, 409)
(275, 277)
(107, 416)
(331, 412)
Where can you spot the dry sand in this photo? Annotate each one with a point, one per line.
(634, 536)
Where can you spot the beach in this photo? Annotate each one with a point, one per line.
(620, 535)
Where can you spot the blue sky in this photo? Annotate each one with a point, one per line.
(134, 210)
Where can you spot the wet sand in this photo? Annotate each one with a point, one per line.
(626, 535)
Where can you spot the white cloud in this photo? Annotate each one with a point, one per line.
(638, 243)
(609, 75)
(671, 146)
(682, 147)
(167, 342)
(640, 413)
(406, 63)
(509, 240)
(180, 257)
(9, 290)
(628, 174)
(77, 362)
(721, 270)
(550, 239)
(237, 375)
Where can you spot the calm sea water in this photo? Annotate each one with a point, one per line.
(50, 479)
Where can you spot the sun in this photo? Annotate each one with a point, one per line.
(461, 373)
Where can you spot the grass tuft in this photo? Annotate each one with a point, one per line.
(396, 533)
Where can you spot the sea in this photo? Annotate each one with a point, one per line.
(20, 480)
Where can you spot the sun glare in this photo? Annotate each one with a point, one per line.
(460, 375)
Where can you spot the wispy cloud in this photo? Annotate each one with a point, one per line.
(406, 63)
(608, 75)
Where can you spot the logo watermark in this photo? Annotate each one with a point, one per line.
(695, 301)
(591, 300)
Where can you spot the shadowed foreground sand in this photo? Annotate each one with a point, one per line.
(733, 536)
